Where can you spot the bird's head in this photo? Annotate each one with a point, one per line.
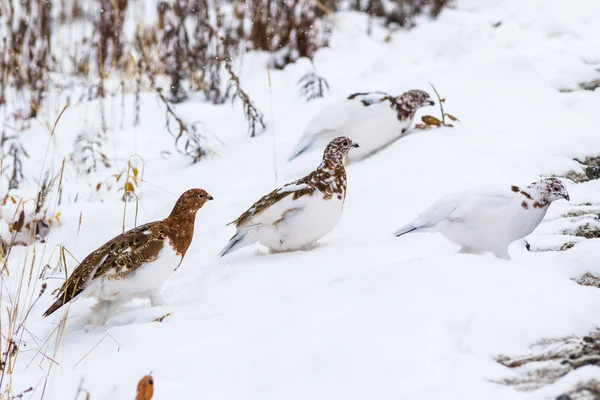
(551, 189)
(416, 99)
(191, 201)
(338, 148)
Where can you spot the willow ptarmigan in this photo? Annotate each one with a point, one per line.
(299, 213)
(491, 219)
(373, 119)
(135, 263)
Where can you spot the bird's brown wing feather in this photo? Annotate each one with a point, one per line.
(276, 195)
(116, 259)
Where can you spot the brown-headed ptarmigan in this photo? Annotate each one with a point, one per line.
(489, 220)
(299, 213)
(373, 119)
(134, 263)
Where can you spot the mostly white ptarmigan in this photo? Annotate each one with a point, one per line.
(134, 263)
(489, 220)
(299, 213)
(373, 119)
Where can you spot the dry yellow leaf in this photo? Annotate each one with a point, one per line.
(128, 186)
(452, 117)
(430, 120)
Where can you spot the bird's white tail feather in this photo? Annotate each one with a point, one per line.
(406, 229)
(242, 238)
(304, 144)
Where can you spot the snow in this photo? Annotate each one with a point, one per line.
(364, 314)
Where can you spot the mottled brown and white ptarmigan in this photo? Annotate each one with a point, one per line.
(489, 219)
(299, 213)
(134, 263)
(373, 119)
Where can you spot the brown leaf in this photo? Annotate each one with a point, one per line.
(452, 117)
(443, 100)
(145, 388)
(449, 125)
(98, 186)
(430, 120)
(135, 172)
(21, 221)
(420, 126)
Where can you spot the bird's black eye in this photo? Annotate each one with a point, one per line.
(345, 143)
(201, 195)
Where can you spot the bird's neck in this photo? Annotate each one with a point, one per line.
(532, 197)
(330, 179)
(180, 228)
(331, 165)
(404, 109)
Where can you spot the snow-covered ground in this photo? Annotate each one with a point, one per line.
(364, 315)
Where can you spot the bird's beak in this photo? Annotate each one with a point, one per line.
(210, 197)
(355, 145)
(567, 197)
(429, 103)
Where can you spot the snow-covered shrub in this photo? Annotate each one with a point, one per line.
(400, 12)
(288, 29)
(25, 56)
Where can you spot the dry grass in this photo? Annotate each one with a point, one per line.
(587, 230)
(556, 358)
(25, 278)
(588, 279)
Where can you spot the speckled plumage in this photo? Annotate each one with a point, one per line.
(489, 220)
(124, 256)
(295, 201)
(404, 105)
(373, 119)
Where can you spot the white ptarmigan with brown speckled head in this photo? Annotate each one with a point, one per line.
(489, 220)
(299, 213)
(373, 119)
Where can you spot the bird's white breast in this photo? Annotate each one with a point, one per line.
(315, 218)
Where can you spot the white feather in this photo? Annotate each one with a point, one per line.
(372, 127)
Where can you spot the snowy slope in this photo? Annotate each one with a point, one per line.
(364, 315)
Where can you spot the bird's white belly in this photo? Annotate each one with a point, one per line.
(490, 231)
(146, 278)
(317, 218)
(372, 127)
(374, 134)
